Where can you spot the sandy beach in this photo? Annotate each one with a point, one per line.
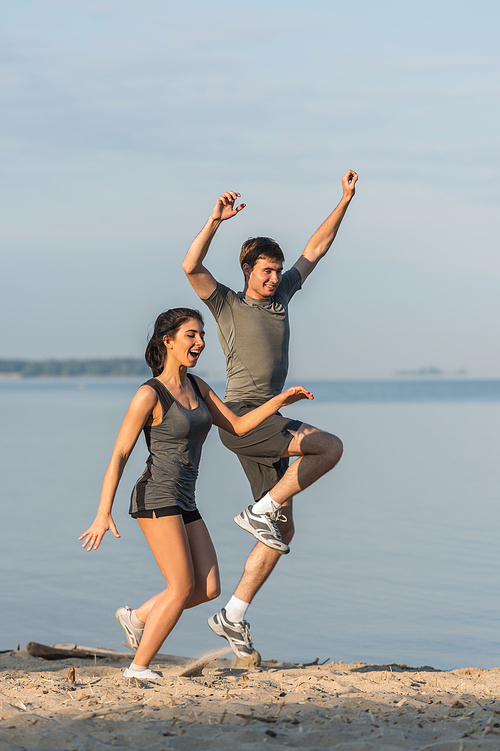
(48, 705)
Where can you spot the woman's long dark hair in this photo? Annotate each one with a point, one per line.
(167, 324)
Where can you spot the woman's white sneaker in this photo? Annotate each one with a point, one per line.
(134, 635)
(141, 675)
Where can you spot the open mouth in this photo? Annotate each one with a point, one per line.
(195, 353)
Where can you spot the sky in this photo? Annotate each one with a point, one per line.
(122, 121)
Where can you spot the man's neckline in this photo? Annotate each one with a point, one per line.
(254, 300)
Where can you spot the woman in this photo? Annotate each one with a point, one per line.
(176, 411)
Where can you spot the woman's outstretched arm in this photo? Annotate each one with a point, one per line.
(140, 409)
(227, 420)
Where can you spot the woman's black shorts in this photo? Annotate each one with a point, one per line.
(188, 516)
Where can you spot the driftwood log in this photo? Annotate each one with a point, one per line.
(65, 651)
(58, 653)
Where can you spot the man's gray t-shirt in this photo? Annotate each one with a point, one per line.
(254, 335)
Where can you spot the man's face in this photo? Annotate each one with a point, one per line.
(263, 279)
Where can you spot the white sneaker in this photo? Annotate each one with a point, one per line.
(134, 635)
(237, 634)
(142, 675)
(264, 528)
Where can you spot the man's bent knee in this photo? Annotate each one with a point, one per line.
(333, 449)
(310, 440)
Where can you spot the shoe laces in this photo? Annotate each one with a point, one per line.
(277, 516)
(246, 634)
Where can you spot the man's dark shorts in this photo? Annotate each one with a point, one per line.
(261, 451)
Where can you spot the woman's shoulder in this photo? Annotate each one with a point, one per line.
(202, 385)
(143, 403)
(146, 394)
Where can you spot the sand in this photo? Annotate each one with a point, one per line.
(279, 705)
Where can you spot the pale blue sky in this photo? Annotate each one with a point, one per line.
(122, 122)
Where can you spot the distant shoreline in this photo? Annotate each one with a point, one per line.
(134, 367)
(114, 367)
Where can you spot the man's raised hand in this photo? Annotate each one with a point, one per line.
(224, 208)
(348, 183)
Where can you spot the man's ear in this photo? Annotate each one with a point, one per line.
(246, 270)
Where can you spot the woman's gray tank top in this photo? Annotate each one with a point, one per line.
(174, 453)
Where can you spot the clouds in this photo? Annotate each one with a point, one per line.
(283, 92)
(255, 89)
(122, 123)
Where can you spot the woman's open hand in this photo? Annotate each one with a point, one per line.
(94, 534)
(294, 394)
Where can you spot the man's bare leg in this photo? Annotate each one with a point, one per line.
(318, 453)
(262, 560)
(230, 623)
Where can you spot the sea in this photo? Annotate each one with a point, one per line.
(396, 557)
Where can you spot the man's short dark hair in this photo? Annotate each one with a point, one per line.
(260, 247)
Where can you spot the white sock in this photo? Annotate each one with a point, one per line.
(136, 623)
(266, 505)
(137, 668)
(236, 609)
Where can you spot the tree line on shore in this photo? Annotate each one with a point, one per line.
(115, 366)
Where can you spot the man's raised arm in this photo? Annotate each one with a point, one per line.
(199, 276)
(322, 239)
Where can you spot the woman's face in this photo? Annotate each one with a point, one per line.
(187, 344)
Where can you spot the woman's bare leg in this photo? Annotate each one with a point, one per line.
(186, 557)
(169, 544)
(206, 568)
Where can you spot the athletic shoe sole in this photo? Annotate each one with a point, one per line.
(133, 634)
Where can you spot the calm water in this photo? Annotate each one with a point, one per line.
(396, 556)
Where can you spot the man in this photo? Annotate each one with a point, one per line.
(254, 333)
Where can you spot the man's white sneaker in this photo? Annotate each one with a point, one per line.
(134, 635)
(237, 634)
(264, 528)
